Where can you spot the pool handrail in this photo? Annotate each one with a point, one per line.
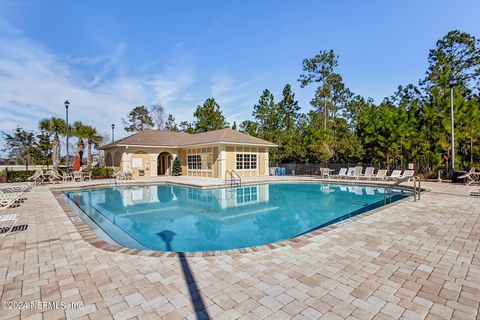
(234, 181)
(416, 190)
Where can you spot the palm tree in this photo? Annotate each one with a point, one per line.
(57, 127)
(92, 139)
(79, 131)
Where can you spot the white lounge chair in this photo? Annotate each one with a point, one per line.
(18, 187)
(53, 176)
(408, 173)
(37, 177)
(470, 177)
(369, 173)
(341, 174)
(349, 173)
(396, 174)
(11, 219)
(381, 175)
(8, 199)
(357, 172)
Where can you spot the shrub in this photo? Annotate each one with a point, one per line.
(102, 172)
(176, 167)
(19, 176)
(3, 176)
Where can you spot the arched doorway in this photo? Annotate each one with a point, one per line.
(164, 162)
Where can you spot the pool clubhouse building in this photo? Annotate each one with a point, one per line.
(150, 153)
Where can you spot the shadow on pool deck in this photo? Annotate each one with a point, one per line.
(195, 296)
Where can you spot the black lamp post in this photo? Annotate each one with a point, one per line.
(67, 130)
(113, 132)
(451, 82)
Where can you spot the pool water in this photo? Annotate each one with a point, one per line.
(184, 219)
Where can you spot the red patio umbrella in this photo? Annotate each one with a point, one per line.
(76, 165)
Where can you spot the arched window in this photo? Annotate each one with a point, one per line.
(108, 159)
(117, 159)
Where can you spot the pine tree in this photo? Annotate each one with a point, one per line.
(209, 117)
(139, 119)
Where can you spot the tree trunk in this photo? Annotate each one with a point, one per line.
(56, 151)
(471, 150)
(325, 113)
(89, 154)
(81, 149)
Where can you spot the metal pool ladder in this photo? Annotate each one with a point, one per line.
(233, 178)
(387, 194)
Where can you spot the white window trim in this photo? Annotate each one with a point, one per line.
(247, 170)
(200, 154)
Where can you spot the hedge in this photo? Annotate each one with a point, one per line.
(19, 176)
(102, 172)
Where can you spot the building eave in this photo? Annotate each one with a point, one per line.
(190, 145)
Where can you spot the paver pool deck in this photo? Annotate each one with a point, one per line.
(408, 260)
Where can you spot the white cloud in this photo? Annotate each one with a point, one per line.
(235, 97)
(35, 82)
(121, 46)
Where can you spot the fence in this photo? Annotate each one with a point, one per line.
(18, 167)
(314, 168)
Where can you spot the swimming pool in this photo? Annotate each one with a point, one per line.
(186, 219)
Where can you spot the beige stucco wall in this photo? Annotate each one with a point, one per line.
(223, 158)
(205, 149)
(144, 159)
(148, 156)
(113, 158)
(262, 160)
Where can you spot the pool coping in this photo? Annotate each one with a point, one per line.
(89, 236)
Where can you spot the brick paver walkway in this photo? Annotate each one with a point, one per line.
(406, 261)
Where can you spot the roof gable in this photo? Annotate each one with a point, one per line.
(156, 138)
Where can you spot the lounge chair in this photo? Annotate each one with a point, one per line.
(37, 177)
(341, 174)
(381, 175)
(53, 176)
(396, 174)
(8, 199)
(357, 172)
(470, 177)
(20, 187)
(349, 173)
(13, 218)
(408, 173)
(369, 173)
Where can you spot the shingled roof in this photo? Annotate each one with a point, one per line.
(155, 138)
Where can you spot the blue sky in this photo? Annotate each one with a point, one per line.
(108, 56)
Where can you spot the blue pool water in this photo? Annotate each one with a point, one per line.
(176, 218)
